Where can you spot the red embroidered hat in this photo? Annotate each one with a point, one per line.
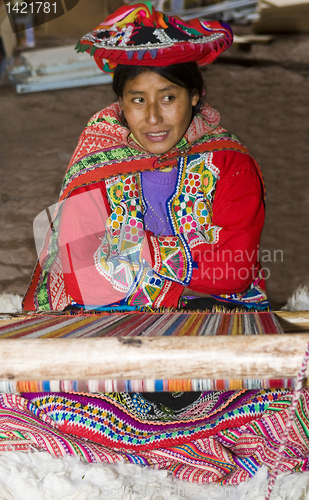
(139, 35)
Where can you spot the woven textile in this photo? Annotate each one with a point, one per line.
(139, 324)
(229, 455)
(131, 421)
(107, 385)
(23, 426)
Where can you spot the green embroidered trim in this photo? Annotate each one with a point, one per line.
(108, 119)
(41, 294)
(182, 144)
(99, 159)
(213, 138)
(82, 47)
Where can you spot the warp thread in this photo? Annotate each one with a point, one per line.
(291, 414)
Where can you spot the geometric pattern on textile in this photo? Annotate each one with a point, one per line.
(258, 442)
(23, 426)
(229, 456)
(132, 421)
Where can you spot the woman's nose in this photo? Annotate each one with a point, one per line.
(154, 114)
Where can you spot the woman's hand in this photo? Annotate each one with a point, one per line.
(192, 293)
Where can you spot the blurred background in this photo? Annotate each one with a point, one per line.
(48, 93)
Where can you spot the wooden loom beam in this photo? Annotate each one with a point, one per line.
(293, 321)
(205, 357)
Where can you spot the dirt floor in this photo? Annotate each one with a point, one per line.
(263, 96)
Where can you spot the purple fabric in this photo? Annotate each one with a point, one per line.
(158, 186)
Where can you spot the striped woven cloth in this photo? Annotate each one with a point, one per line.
(138, 324)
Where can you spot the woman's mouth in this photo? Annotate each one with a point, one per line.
(156, 136)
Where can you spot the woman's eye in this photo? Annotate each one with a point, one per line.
(168, 98)
(138, 100)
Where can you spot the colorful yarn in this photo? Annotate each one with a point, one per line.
(289, 423)
(141, 324)
(143, 14)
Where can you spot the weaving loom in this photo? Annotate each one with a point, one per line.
(71, 355)
(146, 351)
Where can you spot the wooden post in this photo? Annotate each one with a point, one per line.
(217, 357)
(293, 321)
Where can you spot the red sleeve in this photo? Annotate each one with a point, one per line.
(231, 264)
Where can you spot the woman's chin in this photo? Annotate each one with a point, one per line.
(158, 148)
(158, 151)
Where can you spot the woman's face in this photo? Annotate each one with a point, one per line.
(158, 112)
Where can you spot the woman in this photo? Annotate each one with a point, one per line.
(162, 205)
